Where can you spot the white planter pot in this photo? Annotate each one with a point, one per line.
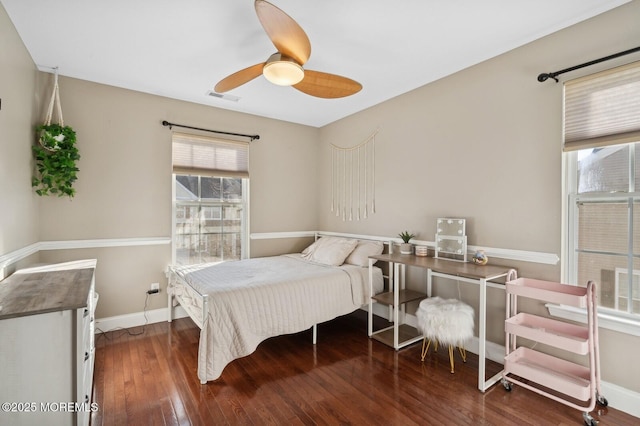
(406, 248)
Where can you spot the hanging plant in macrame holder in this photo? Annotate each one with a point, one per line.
(55, 153)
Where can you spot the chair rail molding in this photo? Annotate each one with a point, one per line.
(15, 256)
(498, 253)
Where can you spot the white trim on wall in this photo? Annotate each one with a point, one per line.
(498, 253)
(16, 256)
(615, 321)
(278, 235)
(104, 242)
(137, 319)
(10, 258)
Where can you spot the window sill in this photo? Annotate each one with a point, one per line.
(621, 324)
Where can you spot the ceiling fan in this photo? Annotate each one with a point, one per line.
(284, 67)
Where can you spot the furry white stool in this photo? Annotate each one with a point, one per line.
(446, 321)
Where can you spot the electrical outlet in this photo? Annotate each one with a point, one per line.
(155, 288)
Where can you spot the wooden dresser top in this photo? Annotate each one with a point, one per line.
(42, 291)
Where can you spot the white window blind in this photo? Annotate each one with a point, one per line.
(205, 156)
(602, 109)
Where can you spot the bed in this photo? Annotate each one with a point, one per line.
(239, 304)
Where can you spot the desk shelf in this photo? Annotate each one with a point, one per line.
(406, 335)
(404, 296)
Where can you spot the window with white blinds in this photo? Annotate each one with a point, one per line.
(602, 109)
(602, 161)
(205, 156)
(210, 199)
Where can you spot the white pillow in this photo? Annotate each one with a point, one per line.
(329, 250)
(360, 255)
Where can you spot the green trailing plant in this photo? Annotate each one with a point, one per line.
(56, 155)
(406, 236)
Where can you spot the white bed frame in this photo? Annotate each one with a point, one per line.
(198, 309)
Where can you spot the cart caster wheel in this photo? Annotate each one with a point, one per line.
(507, 385)
(602, 400)
(588, 420)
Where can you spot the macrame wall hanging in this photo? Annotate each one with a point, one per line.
(353, 183)
(55, 152)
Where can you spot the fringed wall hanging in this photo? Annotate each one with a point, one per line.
(353, 183)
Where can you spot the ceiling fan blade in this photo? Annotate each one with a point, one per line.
(324, 85)
(239, 78)
(285, 33)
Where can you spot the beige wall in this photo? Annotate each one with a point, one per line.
(485, 144)
(124, 184)
(19, 206)
(482, 144)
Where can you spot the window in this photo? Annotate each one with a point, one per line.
(210, 199)
(602, 160)
(604, 216)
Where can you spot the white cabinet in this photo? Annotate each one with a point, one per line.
(538, 371)
(47, 344)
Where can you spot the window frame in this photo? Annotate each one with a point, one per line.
(608, 318)
(592, 118)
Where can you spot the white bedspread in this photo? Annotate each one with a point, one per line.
(254, 299)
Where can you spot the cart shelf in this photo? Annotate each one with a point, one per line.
(570, 337)
(563, 294)
(554, 373)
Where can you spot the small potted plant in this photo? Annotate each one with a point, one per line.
(406, 247)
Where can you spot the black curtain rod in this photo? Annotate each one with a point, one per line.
(545, 76)
(252, 137)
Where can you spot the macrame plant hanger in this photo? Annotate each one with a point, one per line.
(55, 101)
(353, 189)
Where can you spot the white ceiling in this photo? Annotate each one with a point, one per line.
(181, 48)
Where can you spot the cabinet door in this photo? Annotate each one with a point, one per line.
(36, 356)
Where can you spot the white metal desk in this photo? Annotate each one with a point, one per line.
(449, 269)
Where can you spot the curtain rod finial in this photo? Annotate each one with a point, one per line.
(545, 76)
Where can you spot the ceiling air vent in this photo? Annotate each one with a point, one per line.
(223, 96)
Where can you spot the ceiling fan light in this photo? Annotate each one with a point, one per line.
(283, 71)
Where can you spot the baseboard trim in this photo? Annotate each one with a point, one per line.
(137, 319)
(621, 398)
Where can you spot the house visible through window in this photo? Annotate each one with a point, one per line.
(602, 144)
(210, 199)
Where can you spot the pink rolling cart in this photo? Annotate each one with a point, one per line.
(539, 372)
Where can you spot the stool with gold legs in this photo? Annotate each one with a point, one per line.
(425, 349)
(445, 321)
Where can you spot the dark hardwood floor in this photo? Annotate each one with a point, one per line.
(347, 378)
